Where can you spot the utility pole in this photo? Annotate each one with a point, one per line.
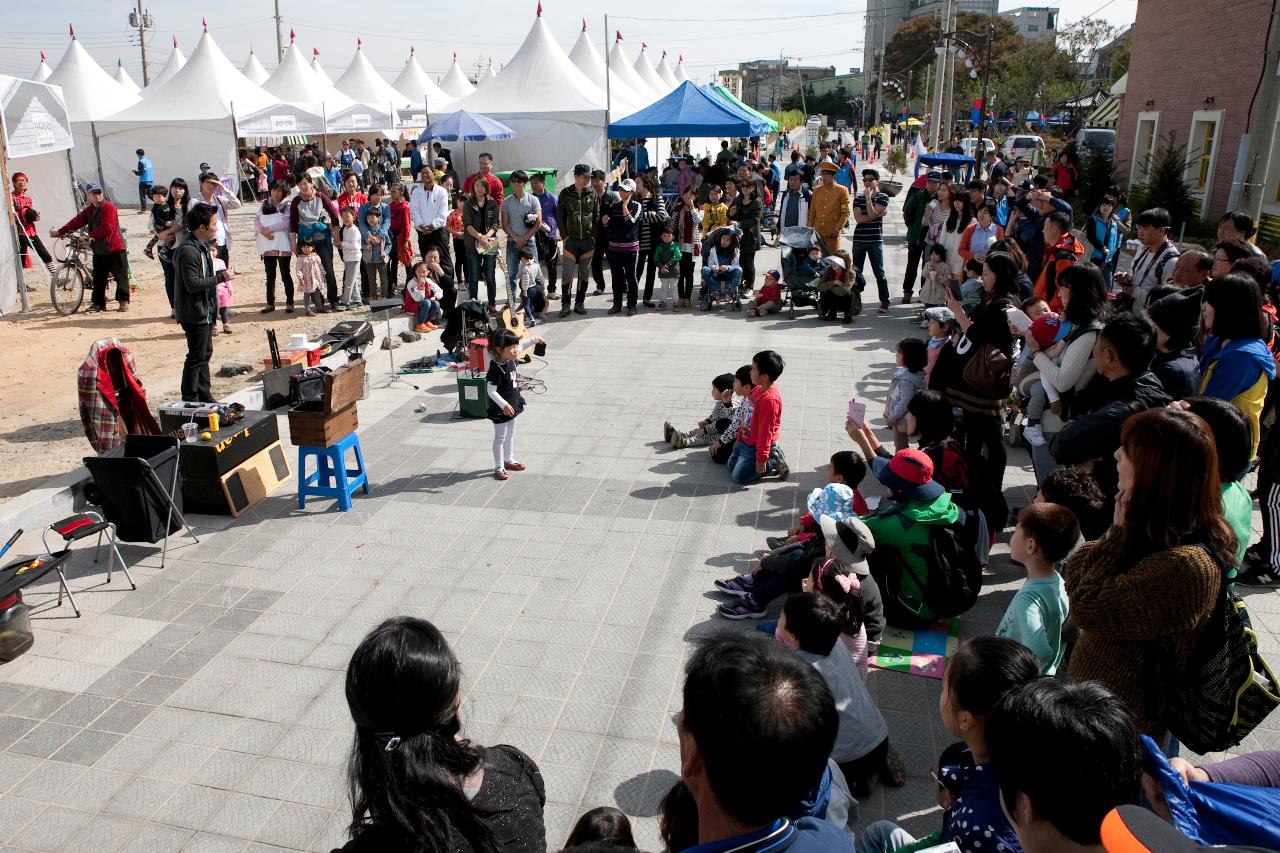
(935, 121)
(279, 34)
(140, 19)
(980, 153)
(1256, 141)
(880, 78)
(910, 74)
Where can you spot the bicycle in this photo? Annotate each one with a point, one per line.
(66, 285)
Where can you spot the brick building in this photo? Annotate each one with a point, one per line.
(1194, 74)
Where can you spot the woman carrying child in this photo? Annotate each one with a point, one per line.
(505, 400)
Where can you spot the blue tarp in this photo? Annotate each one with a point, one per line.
(465, 126)
(690, 110)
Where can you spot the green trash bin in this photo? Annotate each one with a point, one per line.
(473, 395)
(548, 174)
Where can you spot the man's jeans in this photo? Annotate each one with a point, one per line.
(742, 463)
(860, 252)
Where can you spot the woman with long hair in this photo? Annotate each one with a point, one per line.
(987, 326)
(177, 205)
(480, 233)
(1236, 365)
(272, 225)
(1143, 592)
(1083, 293)
(418, 785)
(1010, 247)
(746, 210)
(959, 215)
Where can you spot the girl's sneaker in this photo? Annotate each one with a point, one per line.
(748, 608)
(513, 466)
(740, 585)
(501, 474)
(422, 327)
(1034, 435)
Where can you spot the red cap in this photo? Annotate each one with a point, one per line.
(912, 465)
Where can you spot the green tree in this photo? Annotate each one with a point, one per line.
(1031, 79)
(1120, 62)
(1097, 176)
(1166, 185)
(1077, 43)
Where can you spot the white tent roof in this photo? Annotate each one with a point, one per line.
(364, 85)
(623, 70)
(172, 66)
(489, 72)
(625, 100)
(679, 71)
(415, 85)
(538, 79)
(42, 71)
(644, 68)
(122, 77)
(318, 68)
(253, 69)
(90, 93)
(455, 83)
(295, 83)
(665, 74)
(205, 88)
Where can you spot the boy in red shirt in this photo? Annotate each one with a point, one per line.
(769, 297)
(757, 453)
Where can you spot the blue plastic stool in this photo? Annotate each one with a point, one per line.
(332, 477)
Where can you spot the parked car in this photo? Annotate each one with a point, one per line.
(1029, 147)
(970, 145)
(1092, 140)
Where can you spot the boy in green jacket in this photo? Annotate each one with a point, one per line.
(914, 504)
(666, 259)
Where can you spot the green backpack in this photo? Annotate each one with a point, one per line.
(1226, 688)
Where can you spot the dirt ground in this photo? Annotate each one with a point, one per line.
(40, 431)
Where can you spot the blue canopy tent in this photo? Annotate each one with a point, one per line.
(956, 164)
(691, 111)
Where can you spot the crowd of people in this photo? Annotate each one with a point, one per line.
(1144, 397)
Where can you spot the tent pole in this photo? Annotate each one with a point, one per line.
(18, 255)
(608, 93)
(97, 153)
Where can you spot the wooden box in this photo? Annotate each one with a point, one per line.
(315, 428)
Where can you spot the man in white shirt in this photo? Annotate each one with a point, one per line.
(1154, 261)
(213, 193)
(428, 209)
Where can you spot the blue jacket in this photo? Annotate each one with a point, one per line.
(1240, 373)
(1178, 372)
(1103, 235)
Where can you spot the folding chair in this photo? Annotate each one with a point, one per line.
(81, 526)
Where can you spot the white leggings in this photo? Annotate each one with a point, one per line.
(504, 439)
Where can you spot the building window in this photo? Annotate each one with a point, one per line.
(1202, 151)
(1033, 28)
(1144, 144)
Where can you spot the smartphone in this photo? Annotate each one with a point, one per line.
(1018, 319)
(857, 412)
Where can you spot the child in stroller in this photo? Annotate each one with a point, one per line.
(721, 271)
(802, 253)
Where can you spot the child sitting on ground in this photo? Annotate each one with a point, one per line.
(908, 378)
(839, 497)
(769, 297)
(1051, 335)
(942, 325)
(937, 276)
(971, 291)
(666, 257)
(845, 574)
(310, 278)
(709, 430)
(981, 672)
(811, 626)
(722, 447)
(1045, 535)
(426, 295)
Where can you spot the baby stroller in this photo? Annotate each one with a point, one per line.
(721, 291)
(801, 288)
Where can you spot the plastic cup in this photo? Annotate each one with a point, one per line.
(190, 432)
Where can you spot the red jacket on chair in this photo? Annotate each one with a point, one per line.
(113, 403)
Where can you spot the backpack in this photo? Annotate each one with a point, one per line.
(1227, 688)
(953, 562)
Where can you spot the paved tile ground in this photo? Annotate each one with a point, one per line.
(205, 712)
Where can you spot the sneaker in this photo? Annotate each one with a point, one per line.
(647, 304)
(123, 307)
(884, 307)
(513, 466)
(631, 312)
(784, 470)
(678, 441)
(288, 309)
(149, 254)
(565, 312)
(599, 290)
(662, 306)
(745, 609)
(906, 299)
(268, 309)
(615, 310)
(1257, 573)
(739, 585)
(1034, 435)
(501, 474)
(226, 330)
(667, 431)
(421, 327)
(580, 309)
(775, 541)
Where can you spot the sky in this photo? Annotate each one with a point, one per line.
(824, 33)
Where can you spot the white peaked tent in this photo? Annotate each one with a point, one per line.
(556, 112)
(177, 59)
(364, 85)
(253, 69)
(318, 68)
(306, 101)
(623, 99)
(90, 94)
(665, 74)
(679, 71)
(182, 122)
(122, 77)
(644, 69)
(621, 68)
(415, 85)
(454, 83)
(489, 72)
(42, 71)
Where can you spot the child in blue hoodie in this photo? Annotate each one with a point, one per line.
(1236, 364)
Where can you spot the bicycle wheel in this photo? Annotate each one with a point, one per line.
(66, 289)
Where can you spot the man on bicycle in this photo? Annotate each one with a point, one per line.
(103, 222)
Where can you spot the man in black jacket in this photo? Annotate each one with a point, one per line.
(195, 302)
(1124, 386)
